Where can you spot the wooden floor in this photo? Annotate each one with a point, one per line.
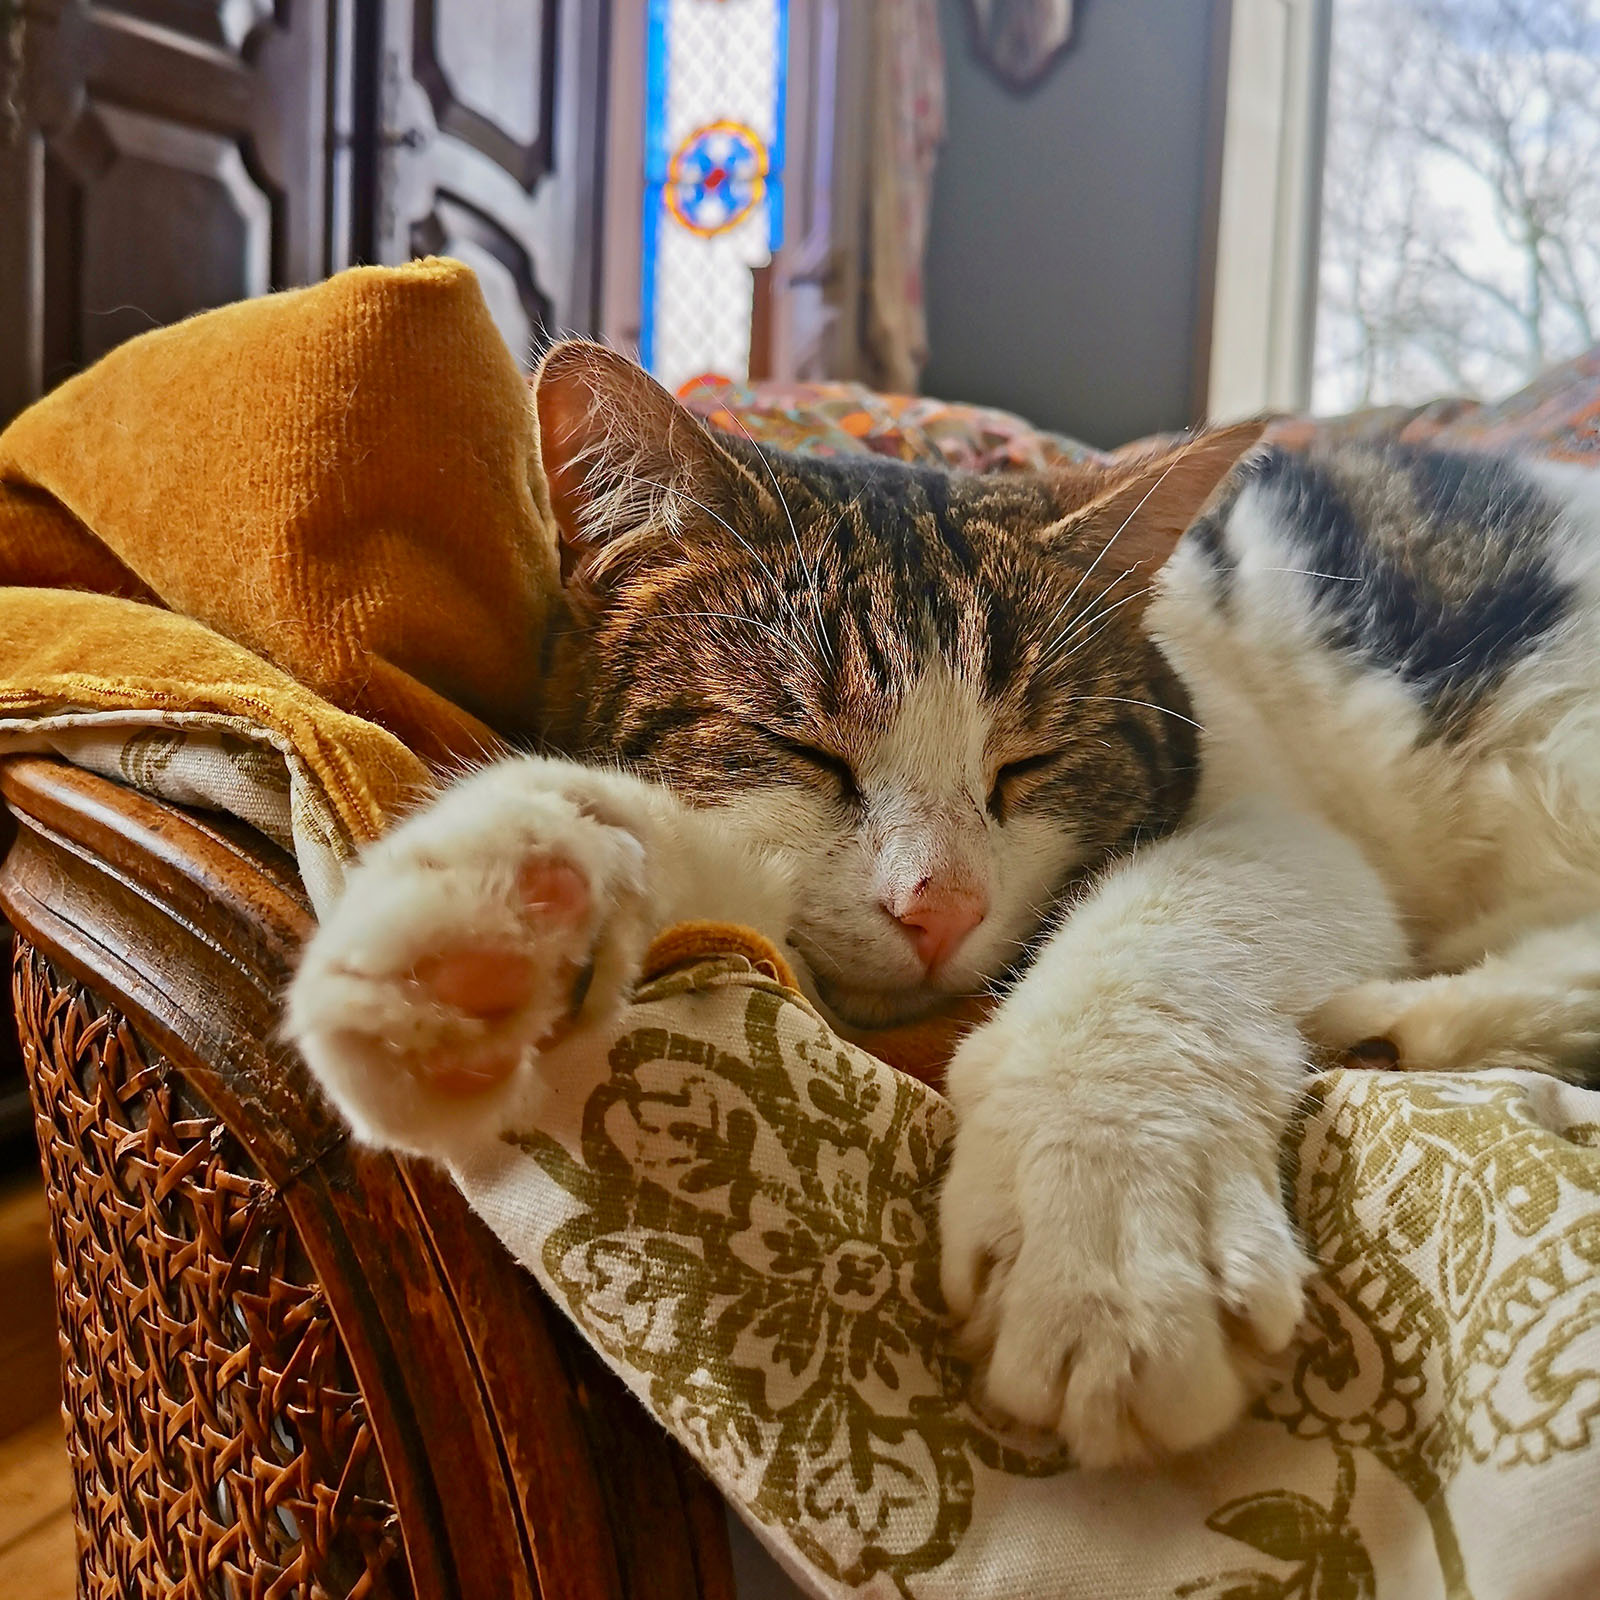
(36, 1550)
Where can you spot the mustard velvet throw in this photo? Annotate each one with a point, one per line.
(342, 480)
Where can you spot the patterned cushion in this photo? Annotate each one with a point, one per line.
(1558, 415)
(738, 1210)
(831, 419)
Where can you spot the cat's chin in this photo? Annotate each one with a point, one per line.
(876, 1008)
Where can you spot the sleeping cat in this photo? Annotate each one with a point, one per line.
(1325, 769)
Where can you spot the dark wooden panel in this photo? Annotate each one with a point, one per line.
(171, 155)
(489, 67)
(158, 157)
(107, 176)
(491, 125)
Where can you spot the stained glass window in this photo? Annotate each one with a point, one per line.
(714, 164)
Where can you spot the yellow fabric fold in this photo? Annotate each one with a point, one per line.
(341, 479)
(61, 650)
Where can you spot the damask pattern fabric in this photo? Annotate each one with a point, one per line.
(216, 762)
(738, 1210)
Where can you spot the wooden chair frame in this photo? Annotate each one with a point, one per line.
(291, 1366)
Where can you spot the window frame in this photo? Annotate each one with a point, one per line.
(1263, 297)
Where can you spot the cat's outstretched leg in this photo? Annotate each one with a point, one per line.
(1113, 1233)
(1535, 1005)
(503, 922)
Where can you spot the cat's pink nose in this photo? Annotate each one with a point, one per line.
(938, 917)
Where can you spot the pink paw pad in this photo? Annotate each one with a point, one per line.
(485, 983)
(481, 981)
(555, 890)
(492, 984)
(460, 1076)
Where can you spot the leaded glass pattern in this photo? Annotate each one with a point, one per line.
(714, 163)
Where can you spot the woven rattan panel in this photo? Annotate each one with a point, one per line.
(218, 1439)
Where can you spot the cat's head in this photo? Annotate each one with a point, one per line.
(930, 691)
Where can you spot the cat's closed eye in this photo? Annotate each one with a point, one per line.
(834, 767)
(1011, 776)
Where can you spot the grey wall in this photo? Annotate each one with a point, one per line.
(1066, 232)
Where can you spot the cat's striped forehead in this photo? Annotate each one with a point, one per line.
(847, 582)
(913, 568)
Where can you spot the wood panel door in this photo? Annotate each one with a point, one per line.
(163, 156)
(158, 157)
(492, 118)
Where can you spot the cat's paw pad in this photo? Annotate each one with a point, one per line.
(1119, 1289)
(497, 997)
(469, 941)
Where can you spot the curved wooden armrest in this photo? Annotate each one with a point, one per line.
(515, 1464)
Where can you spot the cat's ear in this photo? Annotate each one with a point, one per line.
(1146, 502)
(625, 463)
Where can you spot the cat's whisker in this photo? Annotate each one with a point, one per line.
(1049, 627)
(1122, 528)
(813, 952)
(1123, 700)
(1088, 618)
(1098, 622)
(1306, 572)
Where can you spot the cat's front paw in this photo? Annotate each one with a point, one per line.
(1122, 1267)
(470, 940)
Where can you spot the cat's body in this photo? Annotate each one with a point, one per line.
(1405, 645)
(1333, 774)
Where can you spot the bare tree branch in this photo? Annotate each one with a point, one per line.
(1461, 228)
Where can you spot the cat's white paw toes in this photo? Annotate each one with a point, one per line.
(469, 940)
(1459, 1022)
(1119, 1284)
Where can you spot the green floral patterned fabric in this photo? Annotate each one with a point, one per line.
(738, 1210)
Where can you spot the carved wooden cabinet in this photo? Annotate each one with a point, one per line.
(498, 167)
(158, 157)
